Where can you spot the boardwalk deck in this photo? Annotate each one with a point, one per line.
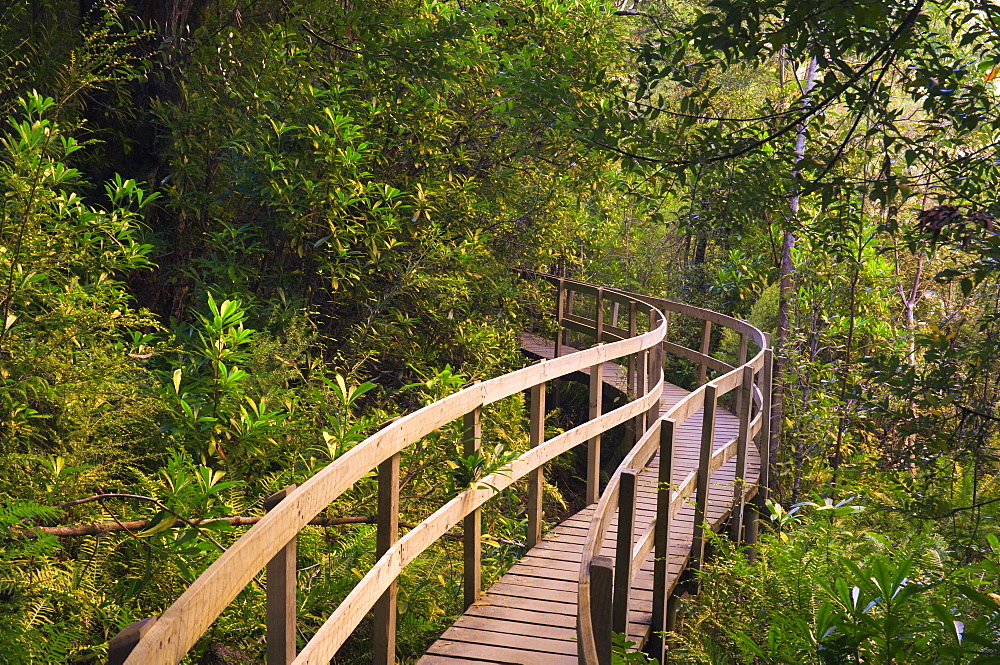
(529, 616)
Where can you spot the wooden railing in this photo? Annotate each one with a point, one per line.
(271, 541)
(605, 582)
(635, 330)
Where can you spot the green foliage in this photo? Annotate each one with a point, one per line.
(833, 589)
(339, 193)
(31, 628)
(216, 417)
(623, 652)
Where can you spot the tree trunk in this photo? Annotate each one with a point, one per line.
(785, 285)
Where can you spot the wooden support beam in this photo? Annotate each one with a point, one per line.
(594, 444)
(387, 533)
(570, 297)
(704, 478)
(706, 341)
(623, 549)
(736, 520)
(661, 538)
(280, 595)
(601, 584)
(560, 312)
(599, 317)
(642, 387)
(473, 523)
(536, 436)
(764, 445)
(672, 603)
(741, 359)
(632, 330)
(120, 646)
(654, 371)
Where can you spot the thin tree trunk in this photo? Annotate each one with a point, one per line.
(785, 285)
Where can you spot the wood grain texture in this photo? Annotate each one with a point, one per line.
(542, 589)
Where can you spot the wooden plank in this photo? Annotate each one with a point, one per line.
(566, 609)
(435, 659)
(280, 591)
(522, 615)
(517, 628)
(495, 654)
(472, 532)
(493, 637)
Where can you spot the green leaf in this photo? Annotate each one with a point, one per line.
(162, 521)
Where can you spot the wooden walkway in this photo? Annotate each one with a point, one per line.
(529, 616)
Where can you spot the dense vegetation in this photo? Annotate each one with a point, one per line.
(236, 237)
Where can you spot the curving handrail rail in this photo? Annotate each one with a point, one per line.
(615, 578)
(168, 638)
(271, 541)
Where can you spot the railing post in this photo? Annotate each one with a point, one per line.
(594, 445)
(704, 478)
(745, 393)
(642, 387)
(631, 433)
(741, 359)
(536, 435)
(599, 317)
(614, 313)
(672, 602)
(473, 525)
(560, 311)
(601, 584)
(706, 340)
(632, 329)
(623, 550)
(661, 538)
(655, 369)
(280, 595)
(763, 446)
(387, 532)
(121, 645)
(570, 295)
(766, 454)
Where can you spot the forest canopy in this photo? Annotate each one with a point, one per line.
(239, 236)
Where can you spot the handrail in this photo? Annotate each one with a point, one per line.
(753, 378)
(168, 638)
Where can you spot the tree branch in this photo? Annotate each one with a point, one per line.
(76, 531)
(906, 24)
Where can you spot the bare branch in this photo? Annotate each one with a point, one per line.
(75, 531)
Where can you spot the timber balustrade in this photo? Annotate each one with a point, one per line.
(604, 582)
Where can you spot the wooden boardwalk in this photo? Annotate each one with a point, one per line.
(529, 616)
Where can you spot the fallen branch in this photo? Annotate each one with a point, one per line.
(132, 526)
(139, 525)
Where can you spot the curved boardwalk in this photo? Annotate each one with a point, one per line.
(529, 616)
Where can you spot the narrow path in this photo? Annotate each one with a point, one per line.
(529, 616)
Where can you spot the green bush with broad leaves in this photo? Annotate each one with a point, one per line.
(831, 583)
